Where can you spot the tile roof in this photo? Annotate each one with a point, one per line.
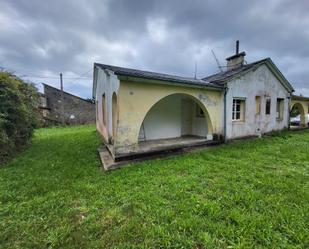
(156, 76)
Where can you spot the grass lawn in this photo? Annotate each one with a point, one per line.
(249, 194)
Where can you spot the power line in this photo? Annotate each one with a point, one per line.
(83, 74)
(52, 77)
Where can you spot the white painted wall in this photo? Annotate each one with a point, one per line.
(172, 117)
(199, 126)
(163, 120)
(260, 82)
(107, 83)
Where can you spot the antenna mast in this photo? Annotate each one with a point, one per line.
(218, 64)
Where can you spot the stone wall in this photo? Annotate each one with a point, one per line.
(75, 109)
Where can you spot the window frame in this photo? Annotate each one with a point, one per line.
(257, 105)
(280, 109)
(238, 109)
(268, 108)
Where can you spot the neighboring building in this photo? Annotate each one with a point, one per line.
(73, 110)
(140, 112)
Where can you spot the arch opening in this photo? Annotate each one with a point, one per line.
(179, 116)
(114, 114)
(104, 109)
(298, 116)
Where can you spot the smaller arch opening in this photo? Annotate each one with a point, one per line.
(114, 114)
(104, 109)
(298, 116)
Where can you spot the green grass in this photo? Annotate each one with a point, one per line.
(249, 194)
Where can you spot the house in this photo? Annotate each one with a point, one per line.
(62, 107)
(140, 113)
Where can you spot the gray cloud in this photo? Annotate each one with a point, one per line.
(43, 38)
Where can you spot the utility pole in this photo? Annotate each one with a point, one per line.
(62, 107)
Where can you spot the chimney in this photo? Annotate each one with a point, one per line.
(236, 60)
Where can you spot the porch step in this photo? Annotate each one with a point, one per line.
(109, 163)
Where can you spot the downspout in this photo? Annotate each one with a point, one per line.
(289, 111)
(224, 125)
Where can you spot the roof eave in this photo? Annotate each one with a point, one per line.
(275, 70)
(130, 78)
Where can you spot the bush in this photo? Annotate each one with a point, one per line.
(18, 114)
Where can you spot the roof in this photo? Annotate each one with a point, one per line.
(56, 89)
(156, 76)
(297, 97)
(225, 75)
(222, 77)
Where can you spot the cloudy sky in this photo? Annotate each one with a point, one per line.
(39, 39)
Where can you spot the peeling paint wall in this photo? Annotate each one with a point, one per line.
(260, 82)
(107, 83)
(136, 99)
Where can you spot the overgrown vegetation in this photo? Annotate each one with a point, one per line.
(18, 114)
(248, 194)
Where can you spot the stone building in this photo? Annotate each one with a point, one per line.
(72, 110)
(141, 113)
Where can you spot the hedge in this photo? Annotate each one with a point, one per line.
(18, 114)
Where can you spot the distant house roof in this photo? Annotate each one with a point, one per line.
(156, 76)
(297, 97)
(223, 77)
(56, 89)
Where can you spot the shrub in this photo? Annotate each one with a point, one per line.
(18, 114)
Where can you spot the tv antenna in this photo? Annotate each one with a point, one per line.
(218, 63)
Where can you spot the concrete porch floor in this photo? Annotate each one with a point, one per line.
(151, 149)
(167, 143)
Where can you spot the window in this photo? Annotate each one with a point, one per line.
(267, 107)
(279, 108)
(104, 109)
(257, 104)
(199, 111)
(238, 110)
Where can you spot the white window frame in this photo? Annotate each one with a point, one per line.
(280, 109)
(238, 109)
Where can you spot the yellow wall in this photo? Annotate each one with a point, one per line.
(136, 99)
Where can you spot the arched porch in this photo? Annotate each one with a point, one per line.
(175, 121)
(148, 112)
(299, 115)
